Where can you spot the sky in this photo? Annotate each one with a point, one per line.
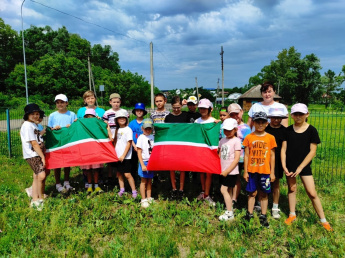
(187, 35)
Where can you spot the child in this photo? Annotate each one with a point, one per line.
(223, 114)
(229, 153)
(144, 146)
(297, 153)
(159, 115)
(236, 112)
(275, 128)
(109, 118)
(88, 170)
(259, 165)
(192, 104)
(123, 146)
(136, 126)
(205, 108)
(177, 116)
(58, 119)
(33, 153)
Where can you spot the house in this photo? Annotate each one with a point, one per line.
(252, 96)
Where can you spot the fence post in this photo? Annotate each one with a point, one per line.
(8, 132)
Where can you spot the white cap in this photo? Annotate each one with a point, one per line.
(229, 124)
(205, 103)
(121, 113)
(276, 112)
(299, 108)
(192, 99)
(62, 97)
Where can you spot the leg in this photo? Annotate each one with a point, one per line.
(130, 180)
(149, 187)
(292, 190)
(57, 174)
(173, 179)
(276, 191)
(182, 178)
(237, 188)
(251, 201)
(66, 173)
(264, 202)
(227, 198)
(202, 180)
(121, 180)
(143, 187)
(34, 188)
(208, 183)
(89, 176)
(95, 175)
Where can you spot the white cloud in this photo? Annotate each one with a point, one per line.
(295, 8)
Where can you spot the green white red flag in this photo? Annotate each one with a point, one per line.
(186, 147)
(85, 142)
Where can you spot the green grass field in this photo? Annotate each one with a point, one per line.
(108, 226)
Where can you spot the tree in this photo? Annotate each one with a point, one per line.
(331, 84)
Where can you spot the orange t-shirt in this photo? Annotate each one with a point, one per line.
(259, 152)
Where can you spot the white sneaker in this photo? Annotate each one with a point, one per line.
(60, 188)
(276, 213)
(200, 196)
(210, 201)
(29, 191)
(38, 205)
(150, 200)
(228, 215)
(67, 186)
(144, 203)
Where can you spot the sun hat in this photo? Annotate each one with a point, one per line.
(205, 103)
(259, 115)
(121, 113)
(114, 95)
(299, 107)
(192, 99)
(147, 123)
(90, 111)
(139, 106)
(276, 112)
(62, 97)
(234, 108)
(30, 108)
(229, 124)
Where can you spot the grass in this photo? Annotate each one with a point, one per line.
(108, 226)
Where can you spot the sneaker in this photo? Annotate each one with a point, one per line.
(276, 213)
(89, 190)
(210, 201)
(227, 216)
(327, 226)
(200, 196)
(38, 205)
(68, 187)
(98, 190)
(290, 219)
(60, 188)
(257, 208)
(249, 216)
(174, 194)
(144, 203)
(150, 200)
(121, 193)
(29, 191)
(263, 221)
(134, 194)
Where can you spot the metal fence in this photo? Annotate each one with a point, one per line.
(329, 163)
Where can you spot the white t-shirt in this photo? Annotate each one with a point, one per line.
(228, 147)
(201, 121)
(29, 132)
(145, 143)
(124, 135)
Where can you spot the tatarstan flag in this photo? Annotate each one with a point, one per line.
(186, 147)
(85, 142)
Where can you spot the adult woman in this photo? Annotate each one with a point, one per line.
(90, 101)
(267, 92)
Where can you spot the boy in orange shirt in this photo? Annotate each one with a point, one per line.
(259, 161)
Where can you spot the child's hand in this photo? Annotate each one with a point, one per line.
(184, 102)
(224, 174)
(44, 162)
(246, 176)
(135, 148)
(298, 170)
(75, 119)
(43, 131)
(121, 158)
(68, 125)
(287, 173)
(57, 127)
(217, 121)
(273, 178)
(144, 168)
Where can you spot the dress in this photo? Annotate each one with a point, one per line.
(81, 112)
(61, 119)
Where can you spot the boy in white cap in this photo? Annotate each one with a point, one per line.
(192, 104)
(58, 119)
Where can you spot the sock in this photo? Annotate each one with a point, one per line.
(275, 206)
(96, 185)
(122, 189)
(292, 213)
(323, 220)
(66, 183)
(134, 191)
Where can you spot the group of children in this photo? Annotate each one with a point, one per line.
(257, 151)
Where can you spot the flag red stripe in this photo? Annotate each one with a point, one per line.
(81, 154)
(184, 158)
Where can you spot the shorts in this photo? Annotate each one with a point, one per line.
(305, 172)
(36, 164)
(124, 166)
(145, 174)
(92, 166)
(229, 180)
(134, 162)
(258, 181)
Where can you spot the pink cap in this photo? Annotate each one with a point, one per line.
(205, 103)
(299, 108)
(90, 111)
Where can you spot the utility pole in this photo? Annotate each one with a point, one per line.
(221, 53)
(89, 67)
(197, 90)
(217, 92)
(151, 61)
(26, 78)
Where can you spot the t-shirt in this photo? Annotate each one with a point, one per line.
(259, 152)
(257, 107)
(81, 112)
(201, 121)
(136, 128)
(193, 116)
(242, 131)
(159, 116)
(181, 118)
(228, 147)
(124, 135)
(145, 143)
(29, 132)
(298, 146)
(61, 119)
(40, 127)
(280, 136)
(109, 117)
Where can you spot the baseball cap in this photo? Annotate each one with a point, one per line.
(147, 123)
(205, 103)
(62, 97)
(234, 108)
(259, 115)
(276, 112)
(121, 113)
(192, 99)
(114, 95)
(299, 107)
(229, 124)
(90, 111)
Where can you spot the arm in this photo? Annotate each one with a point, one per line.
(273, 162)
(134, 146)
(246, 160)
(110, 135)
(129, 145)
(307, 159)
(233, 164)
(283, 158)
(285, 122)
(140, 157)
(38, 150)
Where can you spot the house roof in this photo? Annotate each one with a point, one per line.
(254, 93)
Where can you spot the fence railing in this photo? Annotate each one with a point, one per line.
(328, 164)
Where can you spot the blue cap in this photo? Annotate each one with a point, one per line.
(140, 106)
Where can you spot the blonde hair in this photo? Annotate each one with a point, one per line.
(88, 93)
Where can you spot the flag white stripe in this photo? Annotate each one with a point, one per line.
(76, 143)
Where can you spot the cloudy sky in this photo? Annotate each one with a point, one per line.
(187, 35)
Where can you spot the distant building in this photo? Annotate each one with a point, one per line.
(234, 96)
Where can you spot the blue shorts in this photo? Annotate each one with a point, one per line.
(144, 174)
(258, 181)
